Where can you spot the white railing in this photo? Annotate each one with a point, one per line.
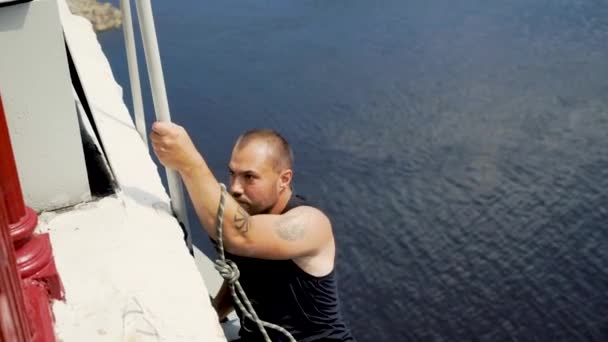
(159, 94)
(138, 108)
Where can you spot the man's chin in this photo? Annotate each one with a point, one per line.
(253, 210)
(245, 206)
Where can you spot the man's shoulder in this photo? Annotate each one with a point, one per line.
(310, 219)
(306, 210)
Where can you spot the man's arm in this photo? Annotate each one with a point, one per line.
(299, 232)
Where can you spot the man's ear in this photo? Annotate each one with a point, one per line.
(285, 179)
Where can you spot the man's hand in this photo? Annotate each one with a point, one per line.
(173, 147)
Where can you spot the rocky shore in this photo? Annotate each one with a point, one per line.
(103, 16)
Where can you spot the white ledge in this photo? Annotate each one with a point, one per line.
(127, 273)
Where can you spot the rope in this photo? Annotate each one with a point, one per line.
(230, 272)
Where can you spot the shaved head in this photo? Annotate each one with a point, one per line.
(280, 153)
(261, 171)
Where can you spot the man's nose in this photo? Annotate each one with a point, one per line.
(236, 190)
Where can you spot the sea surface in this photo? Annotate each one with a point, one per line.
(460, 148)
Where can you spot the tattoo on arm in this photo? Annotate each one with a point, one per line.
(241, 220)
(290, 228)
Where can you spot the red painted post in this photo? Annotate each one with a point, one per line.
(13, 319)
(34, 255)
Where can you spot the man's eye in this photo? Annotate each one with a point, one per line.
(249, 177)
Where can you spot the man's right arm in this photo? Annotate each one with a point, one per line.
(223, 302)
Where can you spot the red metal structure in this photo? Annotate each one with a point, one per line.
(13, 321)
(27, 269)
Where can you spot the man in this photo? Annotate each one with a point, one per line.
(284, 248)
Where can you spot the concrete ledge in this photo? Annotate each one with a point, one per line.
(127, 273)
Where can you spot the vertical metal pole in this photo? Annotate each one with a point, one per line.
(138, 107)
(161, 105)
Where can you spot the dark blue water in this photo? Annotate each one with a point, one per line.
(459, 147)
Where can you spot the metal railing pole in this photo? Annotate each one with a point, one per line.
(138, 107)
(161, 105)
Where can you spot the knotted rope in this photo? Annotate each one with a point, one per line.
(230, 272)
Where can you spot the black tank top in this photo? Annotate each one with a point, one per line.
(283, 294)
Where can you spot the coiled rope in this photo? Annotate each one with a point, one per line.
(230, 272)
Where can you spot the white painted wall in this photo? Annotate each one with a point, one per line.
(37, 95)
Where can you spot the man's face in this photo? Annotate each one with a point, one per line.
(254, 182)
